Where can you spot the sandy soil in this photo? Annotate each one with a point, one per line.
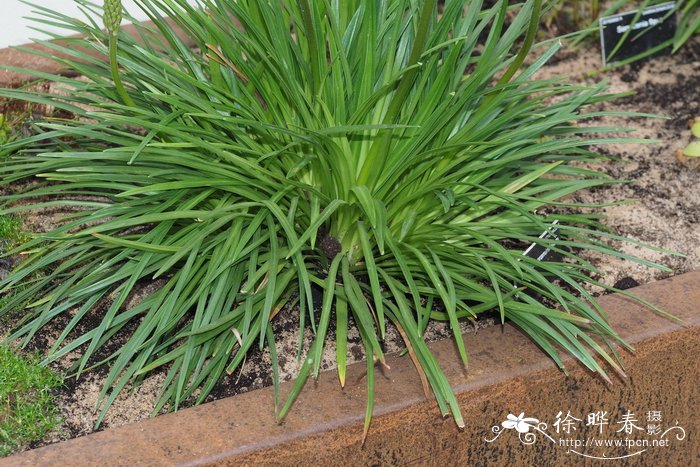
(666, 214)
(663, 183)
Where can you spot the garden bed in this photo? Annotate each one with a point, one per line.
(666, 215)
(508, 374)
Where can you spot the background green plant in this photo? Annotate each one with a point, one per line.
(11, 232)
(27, 408)
(395, 161)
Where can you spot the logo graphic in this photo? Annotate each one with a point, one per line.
(627, 433)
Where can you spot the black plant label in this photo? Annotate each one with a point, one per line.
(636, 33)
(541, 252)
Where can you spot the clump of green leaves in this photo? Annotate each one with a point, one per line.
(394, 159)
(27, 408)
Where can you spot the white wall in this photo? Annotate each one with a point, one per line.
(14, 28)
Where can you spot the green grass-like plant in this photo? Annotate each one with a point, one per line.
(27, 408)
(394, 159)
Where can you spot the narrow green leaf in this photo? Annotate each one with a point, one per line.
(136, 245)
(373, 278)
(341, 338)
